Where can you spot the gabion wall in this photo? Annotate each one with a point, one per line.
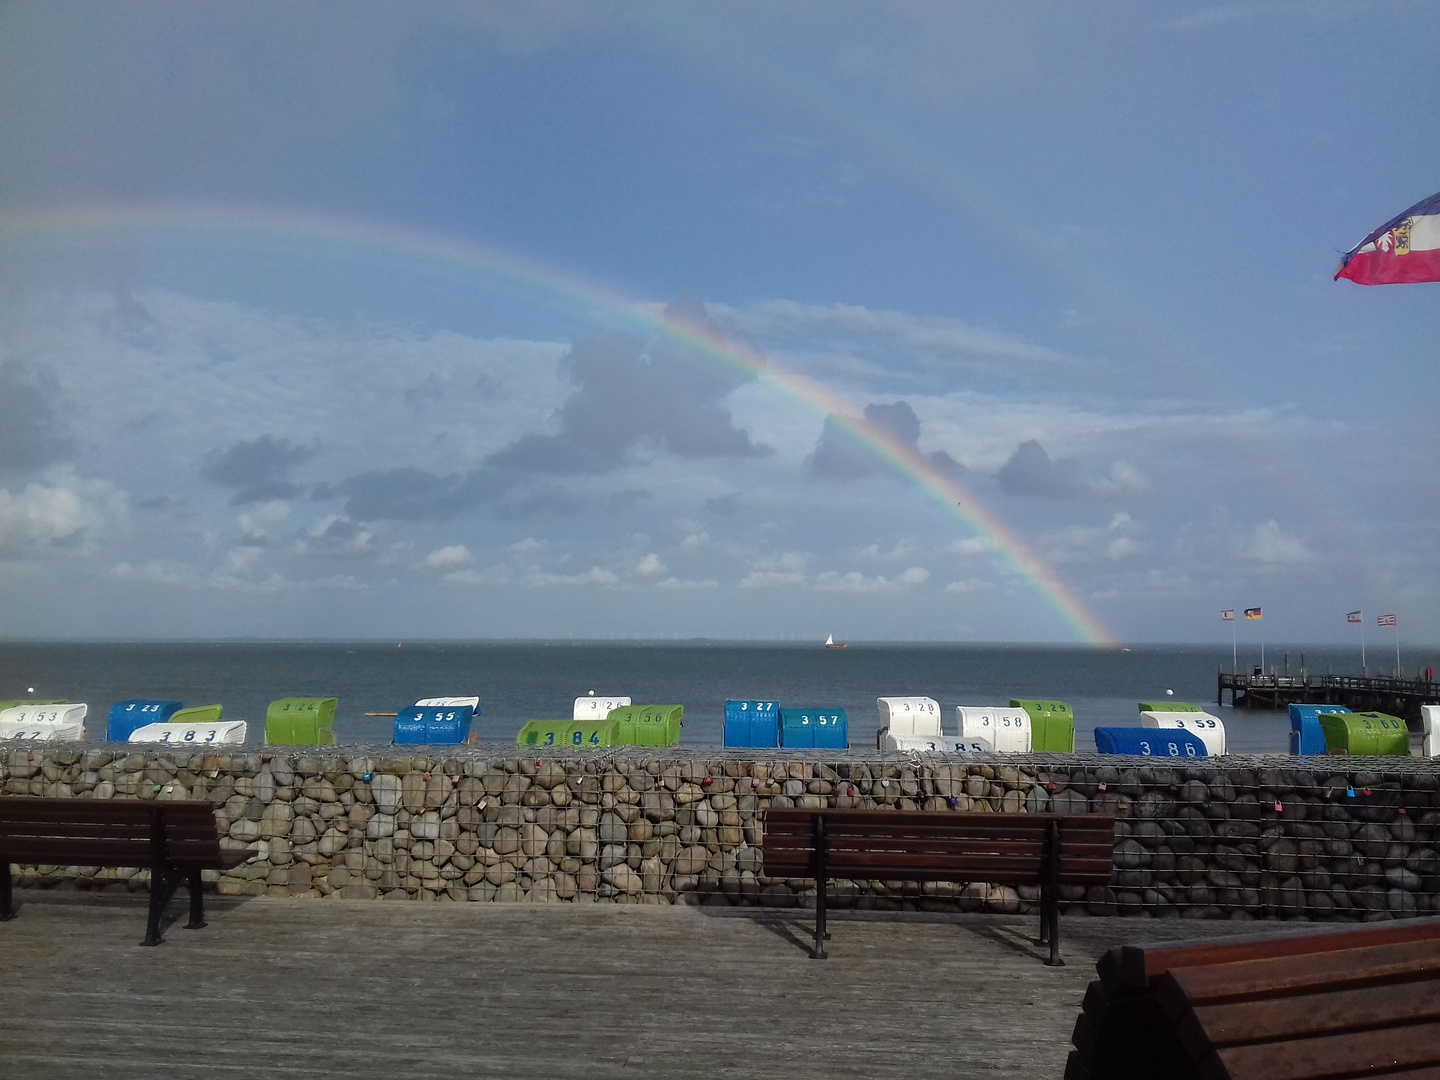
(1324, 838)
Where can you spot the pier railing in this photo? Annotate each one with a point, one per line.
(1397, 694)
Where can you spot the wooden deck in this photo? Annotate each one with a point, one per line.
(359, 989)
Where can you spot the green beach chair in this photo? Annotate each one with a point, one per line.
(301, 721)
(587, 734)
(199, 714)
(1052, 725)
(1169, 706)
(1366, 733)
(568, 734)
(648, 725)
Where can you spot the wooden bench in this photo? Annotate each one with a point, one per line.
(1048, 850)
(1337, 1003)
(174, 839)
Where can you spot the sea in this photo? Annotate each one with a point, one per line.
(518, 681)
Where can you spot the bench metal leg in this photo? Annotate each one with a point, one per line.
(7, 900)
(1050, 896)
(197, 901)
(162, 883)
(821, 872)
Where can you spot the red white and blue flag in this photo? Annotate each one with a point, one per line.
(1228, 615)
(1405, 249)
(1385, 620)
(1354, 616)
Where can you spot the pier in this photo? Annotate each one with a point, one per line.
(1397, 696)
(349, 989)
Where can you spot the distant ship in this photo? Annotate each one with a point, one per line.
(831, 643)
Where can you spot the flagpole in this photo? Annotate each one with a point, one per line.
(1234, 646)
(1398, 672)
(1362, 642)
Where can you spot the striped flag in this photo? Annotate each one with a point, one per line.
(1353, 616)
(1252, 613)
(1405, 249)
(1228, 615)
(1385, 620)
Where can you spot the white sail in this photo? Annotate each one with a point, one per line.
(830, 639)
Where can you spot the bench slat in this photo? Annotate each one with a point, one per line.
(1210, 1027)
(1328, 1055)
(1181, 989)
(997, 874)
(28, 808)
(1137, 966)
(66, 852)
(95, 830)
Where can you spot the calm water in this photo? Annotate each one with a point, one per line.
(520, 681)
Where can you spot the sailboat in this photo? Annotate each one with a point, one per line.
(831, 643)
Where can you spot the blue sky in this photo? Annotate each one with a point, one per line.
(1083, 252)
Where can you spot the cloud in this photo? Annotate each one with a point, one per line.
(971, 546)
(969, 585)
(59, 511)
(256, 468)
(258, 526)
(854, 582)
(633, 397)
(651, 566)
(724, 505)
(840, 455)
(448, 559)
(677, 583)
(902, 550)
(490, 575)
(239, 570)
(595, 577)
(1116, 541)
(398, 494)
(33, 429)
(1031, 472)
(335, 537)
(772, 579)
(1268, 545)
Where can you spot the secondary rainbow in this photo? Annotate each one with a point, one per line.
(807, 393)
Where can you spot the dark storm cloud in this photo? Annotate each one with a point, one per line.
(257, 469)
(1031, 471)
(632, 397)
(629, 396)
(724, 505)
(397, 494)
(33, 429)
(839, 456)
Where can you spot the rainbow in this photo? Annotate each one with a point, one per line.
(810, 395)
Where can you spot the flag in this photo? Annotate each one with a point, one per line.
(1228, 614)
(1385, 620)
(1353, 616)
(1404, 249)
(1252, 613)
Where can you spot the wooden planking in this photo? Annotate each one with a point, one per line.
(340, 989)
(1137, 966)
(1328, 1055)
